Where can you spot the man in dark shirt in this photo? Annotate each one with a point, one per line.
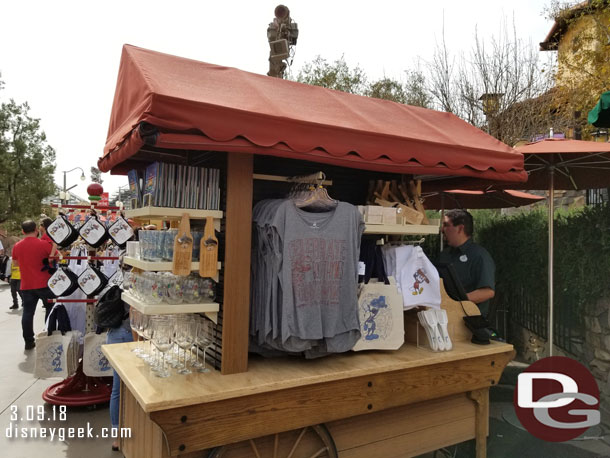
(28, 255)
(473, 264)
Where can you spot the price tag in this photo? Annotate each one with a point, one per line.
(361, 268)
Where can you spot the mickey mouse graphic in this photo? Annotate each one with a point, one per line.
(371, 310)
(420, 277)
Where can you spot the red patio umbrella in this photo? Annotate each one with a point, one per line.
(564, 164)
(569, 164)
(493, 198)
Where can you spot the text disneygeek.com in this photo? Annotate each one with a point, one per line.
(17, 430)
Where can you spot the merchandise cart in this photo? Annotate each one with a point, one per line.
(376, 403)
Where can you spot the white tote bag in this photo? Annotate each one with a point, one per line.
(95, 363)
(381, 318)
(52, 355)
(420, 282)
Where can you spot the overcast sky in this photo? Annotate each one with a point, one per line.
(62, 57)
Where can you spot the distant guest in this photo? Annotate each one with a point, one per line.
(28, 255)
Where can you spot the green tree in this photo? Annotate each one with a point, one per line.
(340, 76)
(27, 164)
(416, 90)
(337, 75)
(387, 89)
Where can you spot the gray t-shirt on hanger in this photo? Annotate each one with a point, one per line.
(266, 261)
(318, 278)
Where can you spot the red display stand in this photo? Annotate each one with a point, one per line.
(79, 390)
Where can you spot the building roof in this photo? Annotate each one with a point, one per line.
(561, 24)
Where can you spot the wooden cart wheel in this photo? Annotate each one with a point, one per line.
(309, 442)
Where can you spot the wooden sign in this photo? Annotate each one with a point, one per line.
(183, 248)
(208, 260)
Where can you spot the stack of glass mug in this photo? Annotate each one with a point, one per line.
(165, 287)
(158, 246)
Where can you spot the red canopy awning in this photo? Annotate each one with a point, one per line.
(177, 103)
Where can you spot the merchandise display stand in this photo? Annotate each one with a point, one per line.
(269, 401)
(249, 127)
(413, 400)
(210, 309)
(79, 389)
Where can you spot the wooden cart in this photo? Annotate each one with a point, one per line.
(382, 404)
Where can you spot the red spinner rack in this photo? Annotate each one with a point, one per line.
(80, 389)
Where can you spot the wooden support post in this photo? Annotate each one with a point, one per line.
(236, 303)
(481, 401)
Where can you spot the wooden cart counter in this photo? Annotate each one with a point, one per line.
(200, 411)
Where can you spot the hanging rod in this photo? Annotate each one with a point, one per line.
(87, 258)
(72, 301)
(91, 206)
(313, 178)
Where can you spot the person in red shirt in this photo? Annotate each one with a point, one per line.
(28, 255)
(44, 224)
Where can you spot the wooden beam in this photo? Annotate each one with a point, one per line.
(236, 305)
(481, 401)
(406, 430)
(248, 417)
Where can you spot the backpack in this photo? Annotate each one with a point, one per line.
(110, 309)
(3, 263)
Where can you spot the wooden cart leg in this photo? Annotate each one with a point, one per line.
(481, 399)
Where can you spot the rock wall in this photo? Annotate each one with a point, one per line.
(594, 352)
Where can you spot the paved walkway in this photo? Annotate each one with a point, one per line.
(21, 389)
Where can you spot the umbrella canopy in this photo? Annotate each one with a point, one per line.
(599, 116)
(564, 164)
(577, 164)
(494, 198)
(551, 164)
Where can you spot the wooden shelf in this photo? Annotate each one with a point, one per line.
(171, 213)
(399, 229)
(209, 308)
(165, 266)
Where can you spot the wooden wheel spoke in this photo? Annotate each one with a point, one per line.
(319, 452)
(314, 441)
(296, 443)
(254, 449)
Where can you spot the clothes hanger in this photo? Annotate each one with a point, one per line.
(315, 197)
(407, 242)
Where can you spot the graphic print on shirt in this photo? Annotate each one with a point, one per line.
(317, 267)
(420, 277)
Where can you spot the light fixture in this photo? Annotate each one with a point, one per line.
(65, 188)
(282, 35)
